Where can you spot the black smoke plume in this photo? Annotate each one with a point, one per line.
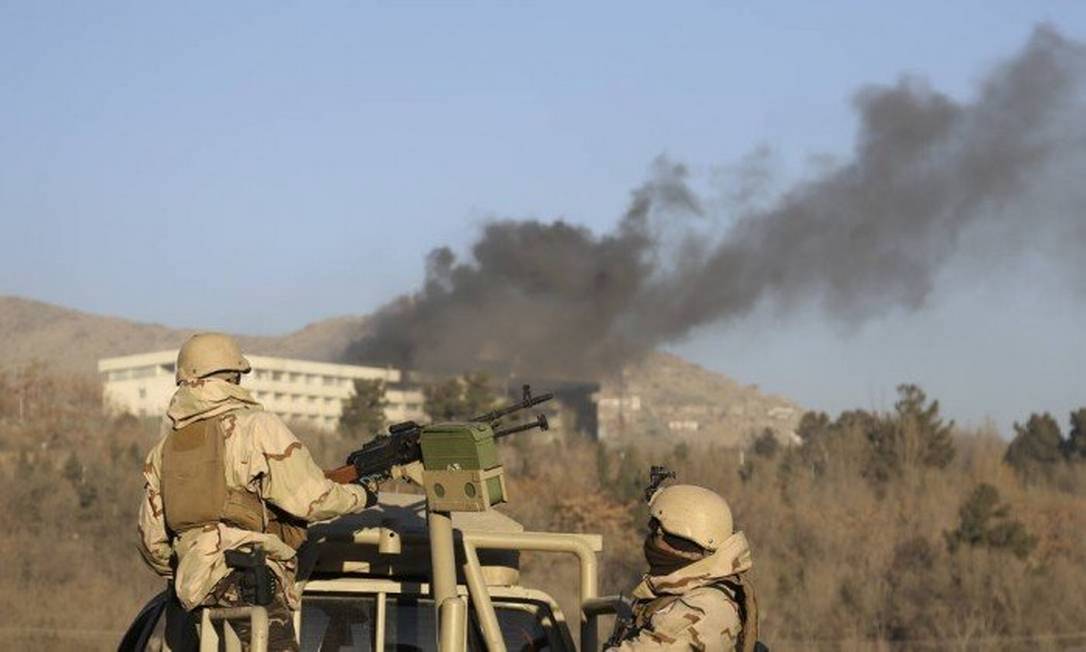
(555, 299)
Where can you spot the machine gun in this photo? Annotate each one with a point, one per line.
(460, 472)
(405, 443)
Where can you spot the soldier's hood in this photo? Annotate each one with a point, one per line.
(731, 558)
(206, 398)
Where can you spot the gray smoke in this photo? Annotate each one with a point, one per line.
(554, 299)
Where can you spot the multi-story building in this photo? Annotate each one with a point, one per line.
(299, 391)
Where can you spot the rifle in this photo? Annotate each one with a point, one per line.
(403, 443)
(657, 475)
(625, 624)
(258, 583)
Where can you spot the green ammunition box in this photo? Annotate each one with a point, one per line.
(464, 457)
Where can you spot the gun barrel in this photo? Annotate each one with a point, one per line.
(375, 460)
(528, 402)
(540, 422)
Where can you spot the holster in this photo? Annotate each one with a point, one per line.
(257, 582)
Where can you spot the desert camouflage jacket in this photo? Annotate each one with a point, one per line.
(691, 609)
(262, 456)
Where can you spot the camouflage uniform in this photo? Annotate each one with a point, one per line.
(228, 593)
(693, 608)
(260, 456)
(694, 596)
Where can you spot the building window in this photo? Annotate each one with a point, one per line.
(144, 372)
(277, 376)
(143, 392)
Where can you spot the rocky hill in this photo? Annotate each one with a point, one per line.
(666, 395)
(73, 341)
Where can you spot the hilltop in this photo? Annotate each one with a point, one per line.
(73, 341)
(667, 395)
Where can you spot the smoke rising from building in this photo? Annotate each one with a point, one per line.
(555, 299)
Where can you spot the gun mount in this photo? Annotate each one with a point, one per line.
(460, 473)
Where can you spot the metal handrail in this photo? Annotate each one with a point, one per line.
(583, 546)
(258, 628)
(601, 606)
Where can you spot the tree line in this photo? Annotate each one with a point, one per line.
(891, 530)
(457, 397)
(894, 530)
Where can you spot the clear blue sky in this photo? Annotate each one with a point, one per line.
(258, 166)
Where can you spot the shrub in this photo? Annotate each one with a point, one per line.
(1036, 445)
(984, 520)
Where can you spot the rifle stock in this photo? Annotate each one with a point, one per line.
(345, 474)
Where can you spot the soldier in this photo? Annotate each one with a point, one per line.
(693, 596)
(230, 477)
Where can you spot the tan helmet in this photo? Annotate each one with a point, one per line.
(693, 513)
(206, 353)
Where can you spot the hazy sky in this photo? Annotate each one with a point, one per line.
(255, 167)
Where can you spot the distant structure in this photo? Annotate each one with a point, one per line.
(299, 391)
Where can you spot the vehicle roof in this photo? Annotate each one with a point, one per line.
(390, 539)
(407, 513)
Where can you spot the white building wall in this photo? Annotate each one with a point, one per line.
(299, 391)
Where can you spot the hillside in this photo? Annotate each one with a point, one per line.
(73, 341)
(666, 395)
(661, 395)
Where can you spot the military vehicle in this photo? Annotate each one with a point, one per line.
(365, 585)
(431, 571)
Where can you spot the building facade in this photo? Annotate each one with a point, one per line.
(300, 391)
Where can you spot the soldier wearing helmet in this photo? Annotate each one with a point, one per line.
(230, 479)
(694, 596)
